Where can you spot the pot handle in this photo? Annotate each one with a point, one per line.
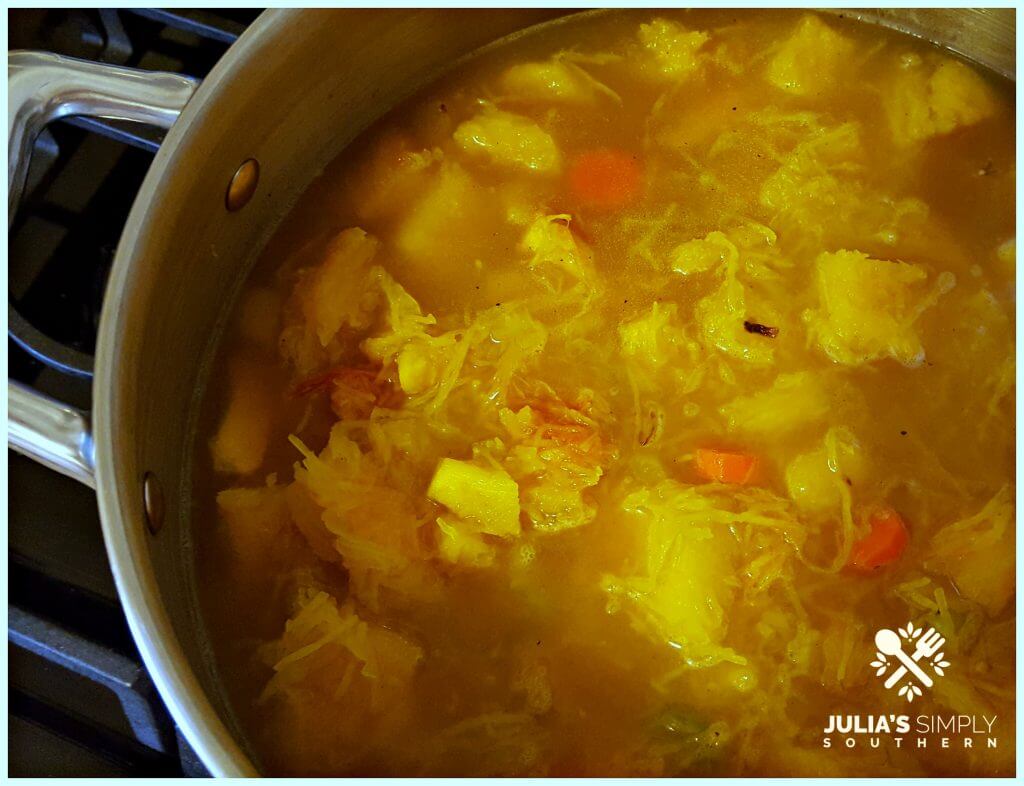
(42, 87)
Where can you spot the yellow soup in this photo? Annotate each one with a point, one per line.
(638, 400)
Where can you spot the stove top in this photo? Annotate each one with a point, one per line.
(80, 701)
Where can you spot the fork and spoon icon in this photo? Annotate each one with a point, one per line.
(888, 643)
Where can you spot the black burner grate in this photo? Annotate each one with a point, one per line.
(80, 702)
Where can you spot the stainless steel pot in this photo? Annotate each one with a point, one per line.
(294, 90)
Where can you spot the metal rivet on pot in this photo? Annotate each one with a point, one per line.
(153, 501)
(243, 185)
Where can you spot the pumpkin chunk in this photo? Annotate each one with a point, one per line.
(867, 308)
(510, 141)
(486, 497)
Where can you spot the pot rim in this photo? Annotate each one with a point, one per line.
(125, 538)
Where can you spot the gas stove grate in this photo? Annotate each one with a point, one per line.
(81, 702)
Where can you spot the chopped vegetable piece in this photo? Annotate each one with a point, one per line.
(334, 303)
(486, 497)
(978, 553)
(255, 519)
(241, 439)
(556, 256)
(721, 316)
(814, 479)
(605, 178)
(791, 403)
(868, 308)
(701, 254)
(442, 229)
(885, 543)
(924, 102)
(323, 637)
(683, 587)
(417, 367)
(809, 60)
(459, 544)
(724, 467)
(397, 173)
(675, 50)
(651, 337)
(555, 80)
(509, 140)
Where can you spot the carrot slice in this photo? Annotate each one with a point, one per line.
(884, 544)
(725, 467)
(605, 178)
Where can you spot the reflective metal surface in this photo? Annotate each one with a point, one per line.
(52, 433)
(988, 36)
(42, 87)
(243, 185)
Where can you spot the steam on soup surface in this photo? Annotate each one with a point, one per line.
(595, 411)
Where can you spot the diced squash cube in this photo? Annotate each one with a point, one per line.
(792, 402)
(682, 593)
(486, 497)
(337, 298)
(812, 479)
(442, 231)
(551, 245)
(810, 482)
(651, 338)
(674, 49)
(702, 254)
(417, 368)
(438, 213)
(461, 544)
(959, 96)
(810, 60)
(255, 519)
(510, 141)
(867, 309)
(925, 102)
(721, 316)
(808, 184)
(395, 175)
(328, 297)
(554, 80)
(241, 440)
(404, 320)
(978, 553)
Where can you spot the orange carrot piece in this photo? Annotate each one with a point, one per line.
(884, 544)
(725, 467)
(605, 178)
